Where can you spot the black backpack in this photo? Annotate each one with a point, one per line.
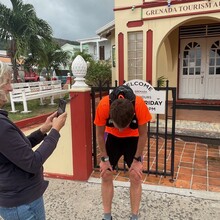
(124, 92)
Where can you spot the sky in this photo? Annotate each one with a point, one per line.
(72, 19)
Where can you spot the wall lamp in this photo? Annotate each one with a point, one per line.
(168, 3)
(133, 7)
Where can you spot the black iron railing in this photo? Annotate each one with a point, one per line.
(160, 158)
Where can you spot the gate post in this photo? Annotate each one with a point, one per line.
(80, 109)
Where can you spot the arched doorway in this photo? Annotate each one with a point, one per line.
(199, 72)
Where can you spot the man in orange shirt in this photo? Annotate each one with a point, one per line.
(123, 116)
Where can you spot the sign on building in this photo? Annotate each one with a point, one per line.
(154, 99)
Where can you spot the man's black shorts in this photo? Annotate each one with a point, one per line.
(116, 147)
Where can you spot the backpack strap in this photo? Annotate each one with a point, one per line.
(122, 92)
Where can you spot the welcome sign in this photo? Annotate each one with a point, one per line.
(155, 100)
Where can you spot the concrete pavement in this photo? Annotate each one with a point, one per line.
(73, 200)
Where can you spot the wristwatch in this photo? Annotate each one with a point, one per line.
(104, 159)
(139, 159)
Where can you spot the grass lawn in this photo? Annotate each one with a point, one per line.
(33, 106)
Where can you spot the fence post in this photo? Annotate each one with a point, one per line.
(80, 109)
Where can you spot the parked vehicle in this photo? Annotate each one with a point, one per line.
(31, 76)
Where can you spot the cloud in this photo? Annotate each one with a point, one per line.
(73, 19)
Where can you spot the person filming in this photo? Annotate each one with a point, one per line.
(22, 183)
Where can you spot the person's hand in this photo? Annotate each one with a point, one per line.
(105, 166)
(137, 167)
(59, 122)
(48, 123)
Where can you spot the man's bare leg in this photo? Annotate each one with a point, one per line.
(107, 192)
(135, 192)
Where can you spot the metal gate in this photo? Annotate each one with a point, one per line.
(160, 149)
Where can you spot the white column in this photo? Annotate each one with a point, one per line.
(97, 50)
(81, 47)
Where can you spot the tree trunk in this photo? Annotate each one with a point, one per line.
(13, 60)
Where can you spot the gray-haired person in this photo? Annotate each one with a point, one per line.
(22, 183)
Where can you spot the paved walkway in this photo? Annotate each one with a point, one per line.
(72, 200)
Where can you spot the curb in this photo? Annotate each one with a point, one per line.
(190, 135)
(31, 121)
(166, 189)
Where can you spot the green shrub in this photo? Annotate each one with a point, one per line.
(99, 71)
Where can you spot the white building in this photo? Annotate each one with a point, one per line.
(99, 48)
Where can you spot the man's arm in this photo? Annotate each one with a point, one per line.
(142, 129)
(100, 131)
(104, 166)
(137, 166)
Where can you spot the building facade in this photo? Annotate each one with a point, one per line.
(177, 39)
(98, 48)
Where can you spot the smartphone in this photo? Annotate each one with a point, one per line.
(61, 107)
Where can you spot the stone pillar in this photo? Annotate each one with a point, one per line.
(81, 133)
(80, 108)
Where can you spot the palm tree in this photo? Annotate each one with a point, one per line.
(50, 59)
(24, 30)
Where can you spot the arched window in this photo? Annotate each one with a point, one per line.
(214, 59)
(192, 59)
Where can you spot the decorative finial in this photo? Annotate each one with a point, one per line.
(79, 70)
(168, 3)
